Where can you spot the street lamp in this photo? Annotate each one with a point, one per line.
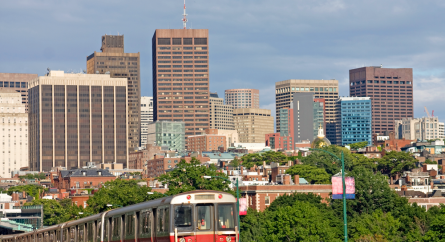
(237, 199)
(111, 205)
(342, 160)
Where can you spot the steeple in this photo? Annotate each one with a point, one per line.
(320, 132)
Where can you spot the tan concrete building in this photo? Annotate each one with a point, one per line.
(75, 119)
(17, 82)
(13, 132)
(208, 142)
(243, 98)
(231, 136)
(221, 116)
(181, 78)
(112, 60)
(419, 128)
(253, 124)
(326, 89)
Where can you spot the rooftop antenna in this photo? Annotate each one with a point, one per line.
(184, 20)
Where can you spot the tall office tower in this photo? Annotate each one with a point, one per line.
(181, 78)
(308, 116)
(356, 120)
(167, 133)
(243, 98)
(146, 117)
(17, 82)
(221, 116)
(390, 90)
(419, 128)
(326, 89)
(252, 124)
(75, 119)
(14, 132)
(118, 64)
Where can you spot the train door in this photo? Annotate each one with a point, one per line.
(205, 214)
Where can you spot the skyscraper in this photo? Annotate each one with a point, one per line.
(308, 116)
(326, 89)
(390, 90)
(146, 117)
(17, 82)
(221, 116)
(114, 61)
(75, 119)
(181, 78)
(14, 132)
(243, 98)
(356, 118)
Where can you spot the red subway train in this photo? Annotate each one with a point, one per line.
(195, 216)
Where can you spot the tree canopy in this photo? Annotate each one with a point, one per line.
(252, 159)
(31, 190)
(39, 176)
(358, 145)
(190, 176)
(312, 174)
(55, 212)
(395, 162)
(119, 193)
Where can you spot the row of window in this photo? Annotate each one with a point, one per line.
(182, 41)
(14, 84)
(180, 75)
(180, 66)
(184, 48)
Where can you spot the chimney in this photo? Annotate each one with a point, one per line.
(242, 168)
(264, 164)
(432, 184)
(297, 179)
(259, 173)
(407, 180)
(391, 180)
(286, 179)
(424, 168)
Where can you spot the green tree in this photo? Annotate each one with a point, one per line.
(396, 162)
(312, 174)
(436, 231)
(358, 145)
(31, 190)
(377, 225)
(361, 160)
(119, 192)
(236, 162)
(189, 176)
(250, 160)
(300, 222)
(251, 226)
(53, 212)
(326, 161)
(427, 161)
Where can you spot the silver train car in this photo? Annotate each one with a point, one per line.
(194, 216)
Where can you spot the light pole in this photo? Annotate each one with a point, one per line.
(237, 200)
(342, 160)
(111, 205)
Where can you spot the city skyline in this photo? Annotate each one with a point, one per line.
(240, 40)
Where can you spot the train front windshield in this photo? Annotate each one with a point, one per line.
(183, 216)
(225, 218)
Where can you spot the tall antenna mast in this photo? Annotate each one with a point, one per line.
(184, 20)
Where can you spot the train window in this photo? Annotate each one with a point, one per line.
(204, 216)
(66, 235)
(160, 224)
(129, 225)
(90, 232)
(51, 236)
(40, 238)
(57, 236)
(116, 228)
(46, 237)
(166, 219)
(98, 231)
(72, 234)
(183, 216)
(145, 225)
(81, 235)
(106, 232)
(226, 216)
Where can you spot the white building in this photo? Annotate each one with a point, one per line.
(419, 128)
(146, 117)
(14, 132)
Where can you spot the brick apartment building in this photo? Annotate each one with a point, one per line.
(81, 178)
(160, 164)
(138, 159)
(208, 142)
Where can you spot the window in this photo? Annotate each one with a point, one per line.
(145, 224)
(183, 217)
(163, 41)
(204, 217)
(226, 213)
(129, 226)
(267, 200)
(187, 41)
(200, 41)
(116, 227)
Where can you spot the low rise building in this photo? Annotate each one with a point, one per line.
(435, 147)
(425, 128)
(160, 164)
(208, 142)
(138, 159)
(81, 178)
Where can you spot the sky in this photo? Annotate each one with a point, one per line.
(252, 43)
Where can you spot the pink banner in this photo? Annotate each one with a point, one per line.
(243, 206)
(337, 187)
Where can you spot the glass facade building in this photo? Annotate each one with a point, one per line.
(167, 133)
(356, 119)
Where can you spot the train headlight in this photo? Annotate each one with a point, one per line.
(228, 238)
(181, 240)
